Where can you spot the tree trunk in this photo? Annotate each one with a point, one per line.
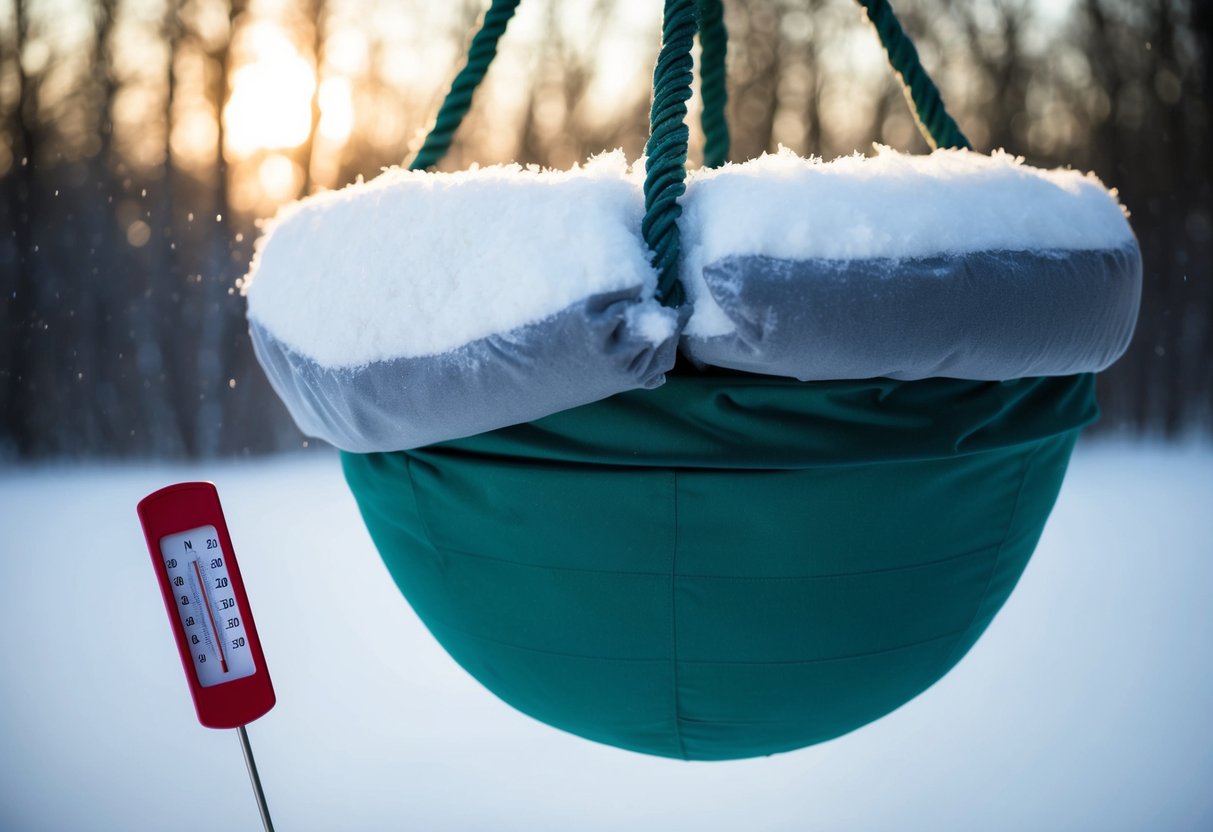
(22, 301)
(319, 19)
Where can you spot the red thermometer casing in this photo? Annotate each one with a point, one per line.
(207, 606)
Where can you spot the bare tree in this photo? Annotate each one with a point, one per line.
(219, 308)
(20, 286)
(757, 63)
(116, 346)
(150, 314)
(318, 17)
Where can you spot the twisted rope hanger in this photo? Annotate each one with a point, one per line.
(666, 150)
(459, 98)
(713, 43)
(483, 49)
(936, 126)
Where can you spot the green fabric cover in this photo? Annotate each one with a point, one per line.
(726, 566)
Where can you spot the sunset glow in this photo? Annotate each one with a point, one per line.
(336, 109)
(279, 177)
(270, 106)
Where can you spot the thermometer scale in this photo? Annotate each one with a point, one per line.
(209, 612)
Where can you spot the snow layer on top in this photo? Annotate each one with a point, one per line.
(414, 264)
(892, 205)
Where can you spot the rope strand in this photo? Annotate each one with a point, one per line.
(713, 41)
(459, 98)
(666, 151)
(936, 126)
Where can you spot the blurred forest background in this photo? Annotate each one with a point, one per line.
(141, 140)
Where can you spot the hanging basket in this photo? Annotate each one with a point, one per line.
(799, 527)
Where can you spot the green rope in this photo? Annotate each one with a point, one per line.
(459, 98)
(713, 38)
(936, 125)
(666, 151)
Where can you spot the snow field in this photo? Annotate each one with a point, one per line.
(1085, 706)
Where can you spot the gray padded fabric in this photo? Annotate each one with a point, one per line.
(584, 353)
(993, 315)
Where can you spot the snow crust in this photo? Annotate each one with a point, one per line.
(1085, 706)
(891, 205)
(414, 264)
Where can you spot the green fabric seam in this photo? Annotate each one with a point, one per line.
(435, 622)
(1025, 469)
(682, 748)
(632, 573)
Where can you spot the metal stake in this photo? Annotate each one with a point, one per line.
(252, 775)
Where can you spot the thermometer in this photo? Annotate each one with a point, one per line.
(209, 611)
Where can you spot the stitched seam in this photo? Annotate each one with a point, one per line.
(435, 622)
(839, 575)
(985, 594)
(425, 523)
(785, 723)
(466, 554)
(827, 659)
(826, 576)
(674, 620)
(432, 622)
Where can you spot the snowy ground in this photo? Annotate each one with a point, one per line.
(1088, 704)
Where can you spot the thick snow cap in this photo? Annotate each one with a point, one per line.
(421, 307)
(952, 265)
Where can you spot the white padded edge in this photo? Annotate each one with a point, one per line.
(417, 264)
(892, 205)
